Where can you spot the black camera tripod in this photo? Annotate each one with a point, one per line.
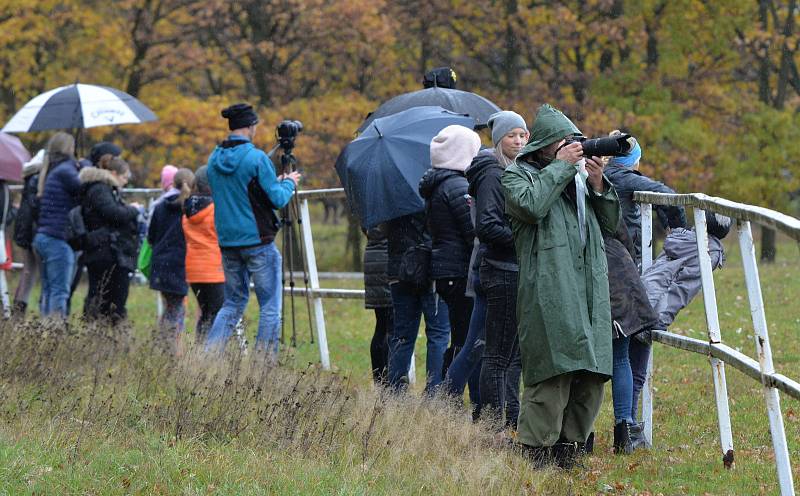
(292, 223)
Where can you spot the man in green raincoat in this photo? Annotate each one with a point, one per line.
(560, 204)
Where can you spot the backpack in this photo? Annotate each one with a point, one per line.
(415, 264)
(76, 229)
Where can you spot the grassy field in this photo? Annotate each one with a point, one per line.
(98, 412)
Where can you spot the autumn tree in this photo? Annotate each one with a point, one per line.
(769, 49)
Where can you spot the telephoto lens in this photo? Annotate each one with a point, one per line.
(612, 146)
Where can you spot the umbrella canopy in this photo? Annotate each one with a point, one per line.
(380, 170)
(462, 102)
(79, 106)
(12, 155)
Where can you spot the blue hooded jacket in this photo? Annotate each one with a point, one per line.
(246, 192)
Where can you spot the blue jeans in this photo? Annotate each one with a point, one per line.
(639, 355)
(409, 307)
(466, 367)
(58, 263)
(262, 264)
(622, 381)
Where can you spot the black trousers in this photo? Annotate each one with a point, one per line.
(379, 346)
(459, 308)
(210, 298)
(499, 383)
(108, 292)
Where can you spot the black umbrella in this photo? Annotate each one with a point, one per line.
(78, 106)
(380, 170)
(462, 102)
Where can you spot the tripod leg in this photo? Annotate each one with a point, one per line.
(288, 247)
(283, 285)
(296, 206)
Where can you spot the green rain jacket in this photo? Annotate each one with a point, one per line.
(563, 307)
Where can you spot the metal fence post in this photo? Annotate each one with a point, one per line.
(764, 352)
(313, 278)
(714, 337)
(647, 261)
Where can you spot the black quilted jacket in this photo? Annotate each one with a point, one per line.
(449, 222)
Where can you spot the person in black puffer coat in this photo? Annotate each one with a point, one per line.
(379, 298)
(168, 262)
(24, 229)
(111, 243)
(497, 271)
(408, 306)
(104, 151)
(444, 189)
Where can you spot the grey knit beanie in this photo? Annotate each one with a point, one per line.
(501, 123)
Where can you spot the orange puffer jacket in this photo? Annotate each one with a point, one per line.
(203, 256)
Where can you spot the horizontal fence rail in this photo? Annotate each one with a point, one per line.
(313, 291)
(739, 211)
(720, 354)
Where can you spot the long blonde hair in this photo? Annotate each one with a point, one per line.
(60, 145)
(501, 157)
(183, 181)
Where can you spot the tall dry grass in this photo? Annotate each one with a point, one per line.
(89, 382)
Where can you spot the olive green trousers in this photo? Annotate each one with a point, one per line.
(560, 409)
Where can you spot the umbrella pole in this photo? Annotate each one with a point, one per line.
(78, 134)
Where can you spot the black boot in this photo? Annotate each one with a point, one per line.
(18, 309)
(637, 436)
(567, 455)
(622, 438)
(588, 447)
(539, 456)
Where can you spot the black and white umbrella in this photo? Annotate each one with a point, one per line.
(78, 106)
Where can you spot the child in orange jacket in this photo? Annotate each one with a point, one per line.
(203, 257)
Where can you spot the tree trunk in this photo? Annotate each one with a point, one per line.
(353, 246)
(511, 64)
(768, 250)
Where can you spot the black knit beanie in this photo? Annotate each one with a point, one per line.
(103, 148)
(240, 115)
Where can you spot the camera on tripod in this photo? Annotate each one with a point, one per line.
(286, 132)
(618, 145)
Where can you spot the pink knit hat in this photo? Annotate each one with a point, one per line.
(168, 176)
(454, 148)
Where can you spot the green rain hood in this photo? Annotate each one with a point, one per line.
(551, 125)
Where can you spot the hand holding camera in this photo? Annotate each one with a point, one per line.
(570, 152)
(594, 166)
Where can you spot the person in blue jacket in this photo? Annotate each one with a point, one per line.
(58, 193)
(246, 192)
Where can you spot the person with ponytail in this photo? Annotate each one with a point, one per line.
(168, 274)
(111, 244)
(58, 192)
(203, 256)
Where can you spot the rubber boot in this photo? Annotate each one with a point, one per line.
(637, 436)
(567, 455)
(18, 309)
(622, 439)
(588, 446)
(539, 456)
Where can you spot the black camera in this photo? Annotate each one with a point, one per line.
(618, 145)
(287, 131)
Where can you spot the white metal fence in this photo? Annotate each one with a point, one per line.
(762, 369)
(316, 293)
